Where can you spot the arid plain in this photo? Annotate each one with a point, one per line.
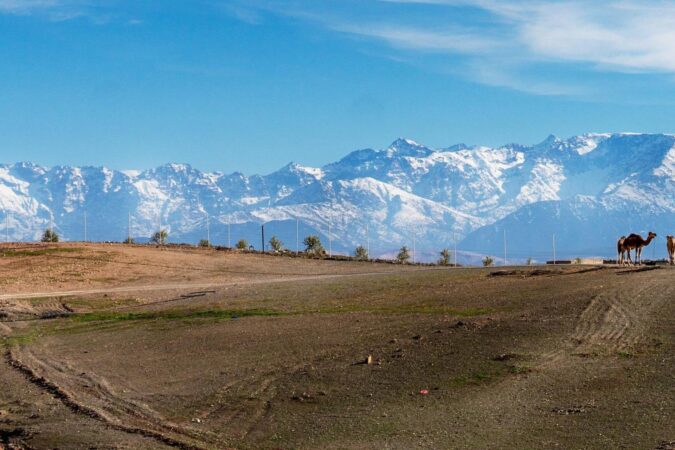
(112, 346)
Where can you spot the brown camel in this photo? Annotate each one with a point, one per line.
(635, 241)
(671, 249)
(620, 251)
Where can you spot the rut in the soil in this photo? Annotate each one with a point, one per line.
(75, 406)
(612, 322)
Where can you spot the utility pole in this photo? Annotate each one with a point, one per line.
(297, 236)
(85, 226)
(505, 247)
(228, 237)
(128, 228)
(413, 255)
(6, 227)
(455, 252)
(554, 260)
(367, 242)
(208, 230)
(161, 238)
(262, 229)
(330, 242)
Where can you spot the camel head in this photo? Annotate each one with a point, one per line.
(652, 235)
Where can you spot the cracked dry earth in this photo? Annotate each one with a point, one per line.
(561, 359)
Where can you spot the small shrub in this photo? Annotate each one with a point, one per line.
(129, 240)
(276, 244)
(529, 261)
(160, 237)
(361, 253)
(403, 255)
(313, 245)
(204, 243)
(242, 244)
(445, 257)
(50, 236)
(488, 261)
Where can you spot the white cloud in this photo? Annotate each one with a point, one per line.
(617, 35)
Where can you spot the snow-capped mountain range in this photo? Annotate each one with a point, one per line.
(586, 190)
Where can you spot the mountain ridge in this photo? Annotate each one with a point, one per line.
(438, 195)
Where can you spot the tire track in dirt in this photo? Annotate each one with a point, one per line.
(105, 406)
(610, 322)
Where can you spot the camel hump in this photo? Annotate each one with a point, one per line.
(633, 235)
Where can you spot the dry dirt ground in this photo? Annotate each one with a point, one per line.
(138, 347)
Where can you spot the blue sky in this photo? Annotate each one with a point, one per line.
(250, 85)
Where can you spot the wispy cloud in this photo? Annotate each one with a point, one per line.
(97, 12)
(450, 40)
(26, 6)
(622, 35)
(613, 36)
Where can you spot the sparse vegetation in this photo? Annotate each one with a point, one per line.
(361, 253)
(276, 244)
(403, 255)
(445, 257)
(488, 261)
(204, 243)
(50, 236)
(38, 252)
(529, 261)
(160, 237)
(129, 240)
(313, 245)
(242, 244)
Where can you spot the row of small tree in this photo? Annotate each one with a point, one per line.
(312, 243)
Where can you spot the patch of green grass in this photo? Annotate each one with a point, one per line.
(113, 316)
(626, 355)
(26, 337)
(485, 373)
(38, 252)
(519, 370)
(99, 302)
(404, 309)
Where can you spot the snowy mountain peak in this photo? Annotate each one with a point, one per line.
(408, 147)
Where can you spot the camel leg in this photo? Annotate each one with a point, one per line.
(630, 261)
(638, 256)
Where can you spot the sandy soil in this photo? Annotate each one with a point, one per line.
(552, 358)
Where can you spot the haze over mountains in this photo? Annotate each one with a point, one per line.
(586, 190)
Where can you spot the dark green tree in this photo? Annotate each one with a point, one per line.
(160, 237)
(403, 255)
(361, 253)
(242, 244)
(50, 236)
(445, 257)
(276, 244)
(313, 245)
